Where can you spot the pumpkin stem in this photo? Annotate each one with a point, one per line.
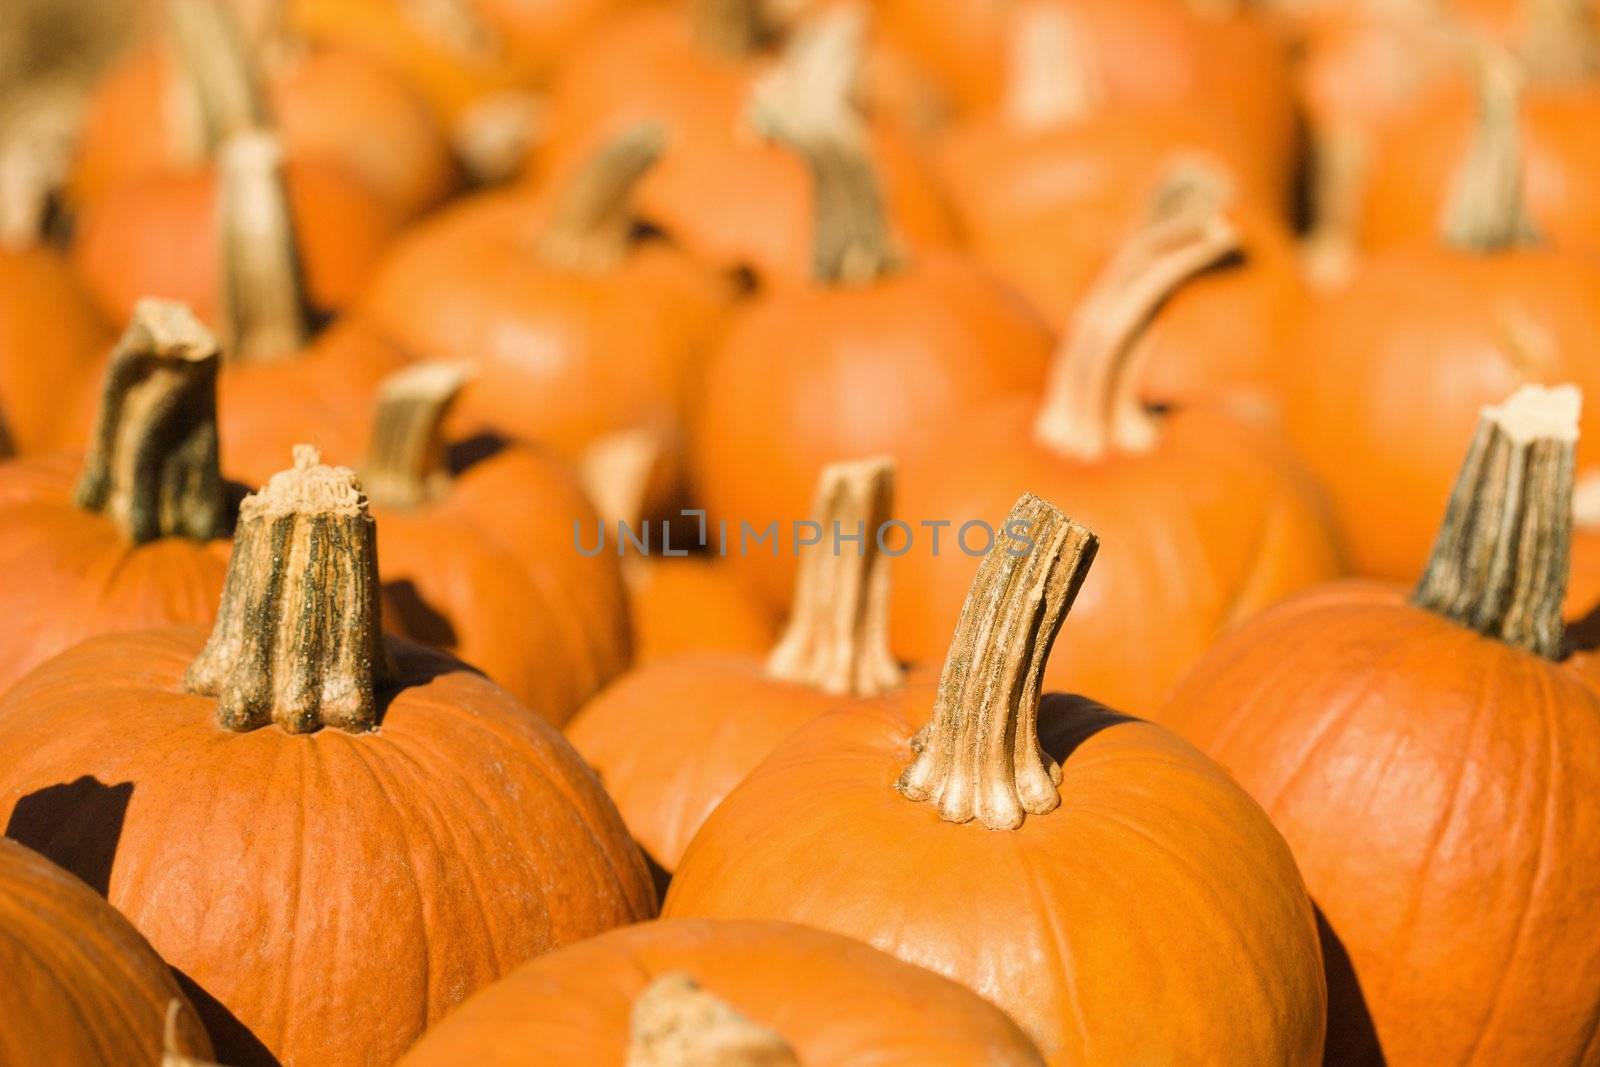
(979, 756)
(1562, 42)
(1487, 210)
(1053, 80)
(838, 634)
(406, 465)
(733, 28)
(590, 228)
(458, 25)
(675, 1023)
(806, 104)
(618, 471)
(172, 1054)
(297, 640)
(152, 464)
(1092, 403)
(214, 57)
(1500, 562)
(263, 307)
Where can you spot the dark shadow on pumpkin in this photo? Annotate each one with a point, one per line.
(1352, 1038)
(660, 877)
(1583, 634)
(235, 1043)
(413, 616)
(1067, 721)
(76, 825)
(461, 455)
(417, 665)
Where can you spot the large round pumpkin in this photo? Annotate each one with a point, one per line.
(1435, 765)
(1092, 874)
(385, 829)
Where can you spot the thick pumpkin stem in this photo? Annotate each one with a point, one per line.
(592, 224)
(807, 104)
(979, 756)
(214, 58)
(677, 1024)
(297, 639)
(838, 633)
(1487, 210)
(263, 309)
(1053, 80)
(172, 1054)
(732, 28)
(1561, 44)
(152, 464)
(1500, 563)
(406, 465)
(618, 472)
(1092, 403)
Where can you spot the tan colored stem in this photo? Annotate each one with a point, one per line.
(263, 307)
(838, 634)
(1487, 209)
(618, 471)
(590, 229)
(732, 28)
(171, 1052)
(406, 466)
(675, 1023)
(492, 136)
(297, 640)
(218, 70)
(457, 25)
(979, 756)
(1561, 44)
(152, 464)
(1500, 563)
(39, 126)
(807, 103)
(1092, 402)
(1053, 78)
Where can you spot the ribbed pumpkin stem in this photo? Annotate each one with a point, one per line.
(590, 228)
(1053, 79)
(732, 28)
(406, 465)
(215, 60)
(1092, 402)
(1487, 210)
(1500, 563)
(1561, 44)
(297, 639)
(838, 633)
(263, 307)
(806, 103)
(152, 464)
(979, 756)
(676, 1024)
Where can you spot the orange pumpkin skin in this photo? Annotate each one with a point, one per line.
(1139, 898)
(51, 338)
(836, 1002)
(80, 982)
(422, 861)
(1438, 790)
(1389, 374)
(694, 605)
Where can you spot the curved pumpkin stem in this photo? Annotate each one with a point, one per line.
(219, 73)
(733, 28)
(263, 307)
(1561, 45)
(1053, 80)
(838, 634)
(1092, 403)
(590, 227)
(172, 1054)
(979, 756)
(406, 465)
(806, 103)
(152, 465)
(1487, 210)
(297, 640)
(1500, 563)
(675, 1023)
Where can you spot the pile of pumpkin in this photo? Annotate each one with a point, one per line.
(408, 647)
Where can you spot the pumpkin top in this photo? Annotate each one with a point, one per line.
(732, 28)
(1487, 209)
(152, 465)
(592, 223)
(1500, 563)
(979, 757)
(263, 303)
(406, 465)
(674, 1023)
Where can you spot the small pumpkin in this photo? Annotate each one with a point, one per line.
(687, 990)
(1094, 875)
(51, 338)
(1434, 757)
(423, 860)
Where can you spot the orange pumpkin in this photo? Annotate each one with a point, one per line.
(1122, 898)
(1432, 759)
(781, 994)
(82, 987)
(50, 340)
(378, 876)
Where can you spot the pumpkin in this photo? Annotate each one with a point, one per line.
(1102, 881)
(1208, 516)
(671, 739)
(1434, 757)
(82, 987)
(50, 340)
(240, 791)
(479, 557)
(131, 546)
(685, 990)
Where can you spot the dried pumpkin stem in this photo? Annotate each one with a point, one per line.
(1561, 45)
(458, 25)
(1053, 79)
(733, 28)
(406, 466)
(618, 471)
(590, 228)
(1092, 403)
(1500, 563)
(172, 1054)
(1487, 210)
(215, 60)
(675, 1023)
(152, 464)
(297, 639)
(979, 756)
(263, 307)
(39, 126)
(838, 634)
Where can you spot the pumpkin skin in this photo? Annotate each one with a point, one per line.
(81, 982)
(51, 338)
(407, 822)
(572, 1007)
(694, 604)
